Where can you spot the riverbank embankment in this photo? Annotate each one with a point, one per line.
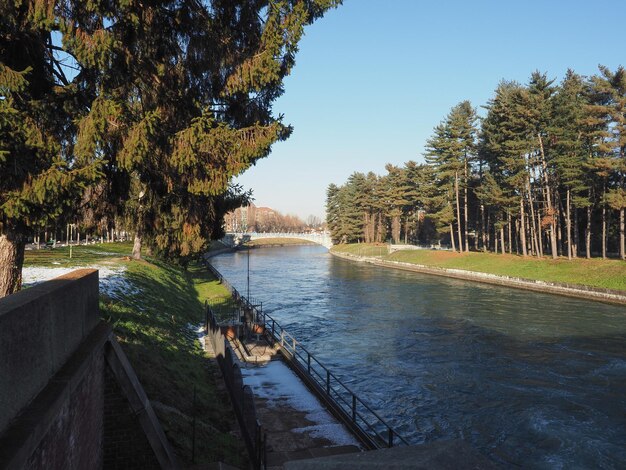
(571, 290)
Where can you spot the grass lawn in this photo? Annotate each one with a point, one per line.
(155, 322)
(609, 274)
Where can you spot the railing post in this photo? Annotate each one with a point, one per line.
(282, 338)
(294, 347)
(308, 362)
(327, 382)
(273, 330)
(353, 407)
(390, 443)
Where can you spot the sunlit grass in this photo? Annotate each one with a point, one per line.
(608, 274)
(81, 255)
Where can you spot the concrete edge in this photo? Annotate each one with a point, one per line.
(583, 292)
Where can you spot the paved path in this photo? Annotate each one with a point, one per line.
(296, 423)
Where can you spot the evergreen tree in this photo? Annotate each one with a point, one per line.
(40, 174)
(569, 149)
(610, 104)
(170, 101)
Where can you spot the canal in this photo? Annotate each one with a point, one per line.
(531, 380)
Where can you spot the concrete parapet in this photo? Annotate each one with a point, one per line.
(40, 328)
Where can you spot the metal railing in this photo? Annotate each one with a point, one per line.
(356, 413)
(371, 429)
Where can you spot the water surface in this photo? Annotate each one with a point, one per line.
(532, 380)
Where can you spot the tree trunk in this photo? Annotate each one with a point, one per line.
(622, 241)
(576, 235)
(522, 227)
(568, 225)
(510, 226)
(12, 246)
(458, 210)
(452, 237)
(533, 227)
(466, 213)
(540, 233)
(483, 235)
(488, 232)
(406, 231)
(603, 232)
(502, 239)
(137, 246)
(559, 228)
(588, 233)
(550, 208)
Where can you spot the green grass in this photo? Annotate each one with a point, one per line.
(81, 255)
(609, 274)
(152, 324)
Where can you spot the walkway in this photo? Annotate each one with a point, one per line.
(297, 424)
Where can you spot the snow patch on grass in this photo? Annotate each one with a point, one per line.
(113, 282)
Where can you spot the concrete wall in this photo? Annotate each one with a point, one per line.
(69, 398)
(40, 328)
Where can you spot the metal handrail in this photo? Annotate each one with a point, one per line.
(330, 383)
(354, 407)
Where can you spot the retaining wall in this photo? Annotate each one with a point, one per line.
(40, 328)
(570, 290)
(69, 399)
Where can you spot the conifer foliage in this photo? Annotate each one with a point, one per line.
(140, 112)
(541, 171)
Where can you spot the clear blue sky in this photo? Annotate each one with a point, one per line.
(374, 77)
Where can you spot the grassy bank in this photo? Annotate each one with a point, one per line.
(154, 314)
(608, 274)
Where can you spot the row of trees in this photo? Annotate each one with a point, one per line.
(276, 222)
(265, 220)
(542, 173)
(140, 112)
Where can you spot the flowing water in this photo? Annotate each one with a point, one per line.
(530, 380)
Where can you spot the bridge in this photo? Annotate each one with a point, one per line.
(322, 238)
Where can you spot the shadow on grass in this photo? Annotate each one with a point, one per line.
(156, 324)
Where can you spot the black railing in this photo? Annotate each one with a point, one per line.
(371, 429)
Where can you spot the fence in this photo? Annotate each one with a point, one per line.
(241, 395)
(364, 422)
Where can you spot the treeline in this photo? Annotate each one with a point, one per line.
(137, 115)
(276, 222)
(542, 173)
(265, 220)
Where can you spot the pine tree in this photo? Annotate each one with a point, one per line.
(609, 90)
(569, 148)
(40, 174)
(169, 101)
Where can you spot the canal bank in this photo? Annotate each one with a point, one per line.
(570, 290)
